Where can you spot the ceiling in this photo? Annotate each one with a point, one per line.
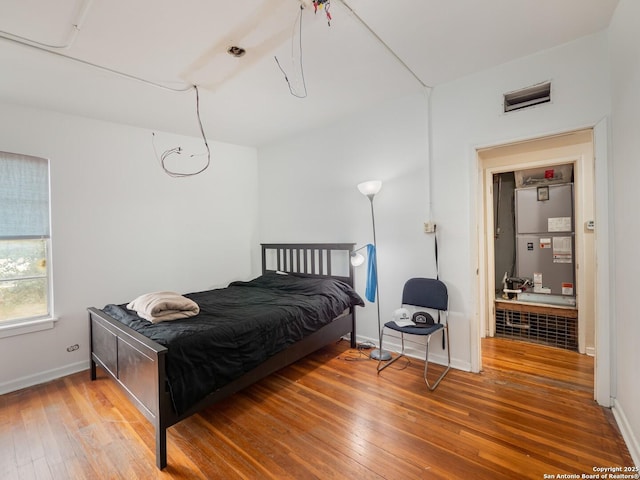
(128, 62)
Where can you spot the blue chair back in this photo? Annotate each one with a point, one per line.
(426, 292)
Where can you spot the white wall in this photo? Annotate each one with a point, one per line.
(625, 120)
(307, 183)
(308, 193)
(122, 227)
(467, 114)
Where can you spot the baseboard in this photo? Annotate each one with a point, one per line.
(627, 433)
(43, 377)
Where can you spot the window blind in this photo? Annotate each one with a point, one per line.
(24, 196)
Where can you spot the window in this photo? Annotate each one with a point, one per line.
(25, 287)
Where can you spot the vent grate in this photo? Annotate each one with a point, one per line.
(543, 328)
(527, 97)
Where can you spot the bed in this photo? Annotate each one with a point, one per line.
(161, 366)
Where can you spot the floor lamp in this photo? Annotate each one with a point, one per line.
(370, 189)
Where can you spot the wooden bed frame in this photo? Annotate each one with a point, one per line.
(137, 363)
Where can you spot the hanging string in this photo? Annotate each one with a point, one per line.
(435, 242)
(178, 150)
(298, 23)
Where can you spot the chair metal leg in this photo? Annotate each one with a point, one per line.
(393, 359)
(445, 331)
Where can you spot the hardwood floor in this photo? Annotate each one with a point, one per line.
(530, 412)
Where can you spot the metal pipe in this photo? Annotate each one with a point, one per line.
(100, 67)
(75, 28)
(384, 44)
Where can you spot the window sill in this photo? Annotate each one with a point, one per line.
(28, 326)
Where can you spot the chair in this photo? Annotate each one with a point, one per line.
(431, 294)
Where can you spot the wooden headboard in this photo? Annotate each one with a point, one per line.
(313, 259)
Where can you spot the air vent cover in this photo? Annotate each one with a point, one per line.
(527, 97)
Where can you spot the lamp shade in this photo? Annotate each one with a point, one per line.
(370, 188)
(357, 259)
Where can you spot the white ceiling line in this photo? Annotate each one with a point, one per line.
(384, 44)
(95, 65)
(45, 48)
(75, 28)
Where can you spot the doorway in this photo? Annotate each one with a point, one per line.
(534, 254)
(577, 150)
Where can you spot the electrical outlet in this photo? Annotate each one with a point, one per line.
(429, 227)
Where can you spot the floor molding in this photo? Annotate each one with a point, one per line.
(436, 354)
(627, 432)
(42, 377)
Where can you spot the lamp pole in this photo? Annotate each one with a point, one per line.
(378, 353)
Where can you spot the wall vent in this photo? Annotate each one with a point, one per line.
(545, 328)
(527, 97)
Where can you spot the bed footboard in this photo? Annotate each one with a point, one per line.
(137, 364)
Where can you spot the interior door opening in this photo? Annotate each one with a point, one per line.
(534, 256)
(565, 238)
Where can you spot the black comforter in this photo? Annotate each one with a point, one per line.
(238, 328)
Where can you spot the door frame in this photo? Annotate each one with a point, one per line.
(599, 297)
